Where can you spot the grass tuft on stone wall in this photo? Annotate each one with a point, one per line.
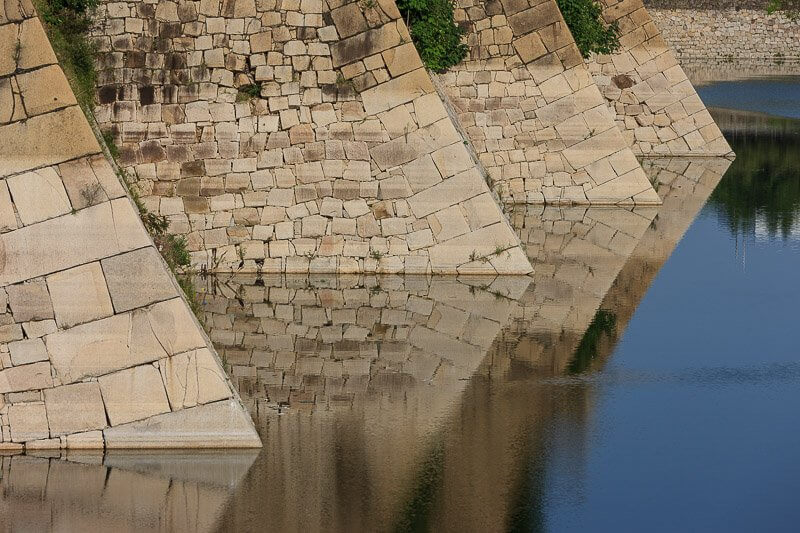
(585, 20)
(436, 35)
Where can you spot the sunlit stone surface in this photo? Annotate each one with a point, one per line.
(90, 317)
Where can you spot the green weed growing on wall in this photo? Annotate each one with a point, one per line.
(585, 21)
(68, 23)
(435, 33)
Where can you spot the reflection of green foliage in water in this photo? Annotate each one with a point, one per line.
(763, 182)
(415, 515)
(603, 323)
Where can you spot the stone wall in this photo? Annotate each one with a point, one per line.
(97, 346)
(729, 29)
(533, 113)
(340, 158)
(657, 109)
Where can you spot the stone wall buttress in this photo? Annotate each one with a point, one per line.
(97, 346)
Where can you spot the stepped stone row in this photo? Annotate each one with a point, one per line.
(656, 106)
(295, 136)
(97, 348)
(529, 105)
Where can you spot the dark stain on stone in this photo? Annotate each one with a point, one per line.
(134, 59)
(169, 30)
(169, 94)
(147, 95)
(192, 169)
(152, 152)
(146, 11)
(107, 94)
(175, 61)
(622, 81)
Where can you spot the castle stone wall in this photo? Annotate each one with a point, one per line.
(97, 346)
(341, 158)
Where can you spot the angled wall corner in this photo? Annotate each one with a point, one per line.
(656, 106)
(98, 348)
(303, 137)
(533, 113)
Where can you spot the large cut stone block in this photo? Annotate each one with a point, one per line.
(123, 340)
(217, 425)
(137, 279)
(194, 378)
(79, 295)
(75, 408)
(28, 421)
(24, 147)
(133, 394)
(57, 244)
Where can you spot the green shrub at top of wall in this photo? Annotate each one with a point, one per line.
(435, 33)
(585, 21)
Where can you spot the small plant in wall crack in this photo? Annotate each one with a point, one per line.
(376, 255)
(91, 193)
(245, 93)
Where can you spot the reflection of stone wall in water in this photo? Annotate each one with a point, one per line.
(317, 341)
(531, 422)
(97, 346)
(576, 254)
(488, 436)
(533, 113)
(86, 492)
(656, 106)
(295, 137)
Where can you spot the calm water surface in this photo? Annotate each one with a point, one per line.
(646, 377)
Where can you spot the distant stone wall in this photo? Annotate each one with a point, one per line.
(725, 29)
(656, 106)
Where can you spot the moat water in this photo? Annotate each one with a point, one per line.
(646, 377)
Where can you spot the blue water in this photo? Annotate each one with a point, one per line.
(696, 424)
(774, 96)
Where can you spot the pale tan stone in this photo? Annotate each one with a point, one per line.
(217, 425)
(35, 48)
(401, 59)
(123, 340)
(8, 219)
(44, 90)
(74, 408)
(39, 195)
(194, 378)
(27, 351)
(133, 394)
(451, 191)
(26, 377)
(57, 244)
(28, 421)
(79, 295)
(397, 91)
(136, 279)
(452, 159)
(69, 137)
(91, 440)
(29, 301)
